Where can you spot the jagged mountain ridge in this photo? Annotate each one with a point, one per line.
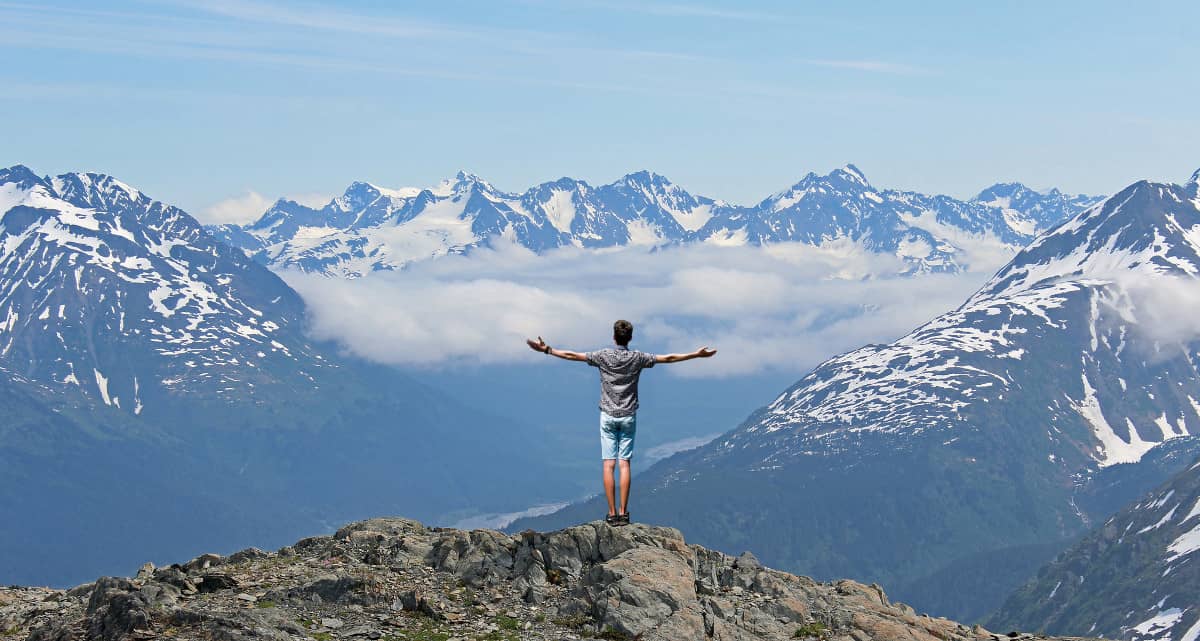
(100, 284)
(371, 228)
(394, 578)
(1134, 577)
(985, 425)
(154, 375)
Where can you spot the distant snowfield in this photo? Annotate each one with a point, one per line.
(774, 306)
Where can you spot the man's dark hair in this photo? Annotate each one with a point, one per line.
(622, 332)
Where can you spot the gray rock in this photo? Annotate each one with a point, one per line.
(116, 608)
(594, 580)
(215, 582)
(247, 554)
(416, 601)
(146, 571)
(203, 562)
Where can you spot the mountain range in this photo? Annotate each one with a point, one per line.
(161, 392)
(953, 462)
(160, 385)
(370, 228)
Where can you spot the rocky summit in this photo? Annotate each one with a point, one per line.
(392, 578)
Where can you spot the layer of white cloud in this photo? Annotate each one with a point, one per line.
(779, 307)
(1163, 310)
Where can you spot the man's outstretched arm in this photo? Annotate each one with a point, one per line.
(703, 352)
(540, 346)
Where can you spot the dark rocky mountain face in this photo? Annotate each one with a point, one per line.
(101, 285)
(953, 462)
(396, 579)
(370, 228)
(1135, 577)
(161, 394)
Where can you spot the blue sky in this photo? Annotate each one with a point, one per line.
(198, 102)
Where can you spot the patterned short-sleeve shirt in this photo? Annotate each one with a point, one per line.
(619, 368)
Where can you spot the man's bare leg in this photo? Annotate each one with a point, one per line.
(610, 466)
(624, 488)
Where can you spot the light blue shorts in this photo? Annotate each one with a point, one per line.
(616, 436)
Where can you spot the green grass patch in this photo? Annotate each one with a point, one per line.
(264, 604)
(322, 636)
(428, 631)
(574, 621)
(816, 629)
(612, 634)
(507, 623)
(427, 634)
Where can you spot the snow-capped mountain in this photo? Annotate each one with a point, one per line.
(126, 298)
(960, 450)
(1077, 287)
(1027, 211)
(1135, 577)
(153, 379)
(370, 228)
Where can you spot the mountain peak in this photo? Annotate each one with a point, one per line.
(361, 188)
(1195, 179)
(1002, 190)
(850, 173)
(1139, 228)
(466, 178)
(462, 183)
(646, 180)
(19, 174)
(644, 176)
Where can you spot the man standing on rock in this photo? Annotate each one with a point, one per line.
(620, 368)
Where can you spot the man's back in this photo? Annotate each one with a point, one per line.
(620, 369)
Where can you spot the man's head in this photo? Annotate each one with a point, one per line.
(622, 332)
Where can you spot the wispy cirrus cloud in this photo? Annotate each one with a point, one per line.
(682, 10)
(325, 18)
(872, 66)
(203, 33)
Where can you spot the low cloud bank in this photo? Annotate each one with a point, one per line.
(1163, 310)
(785, 305)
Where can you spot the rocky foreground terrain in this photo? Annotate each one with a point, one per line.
(397, 579)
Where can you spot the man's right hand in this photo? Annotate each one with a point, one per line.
(538, 346)
(705, 352)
